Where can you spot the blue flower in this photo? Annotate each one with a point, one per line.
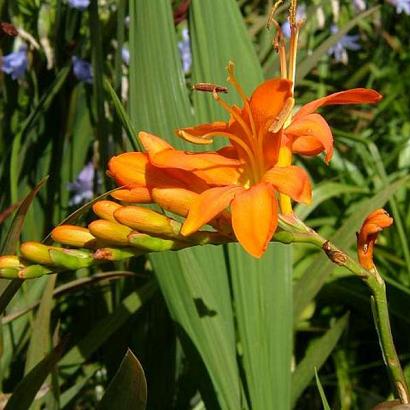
(82, 188)
(359, 5)
(82, 70)
(339, 50)
(15, 63)
(300, 15)
(125, 55)
(79, 4)
(401, 6)
(184, 47)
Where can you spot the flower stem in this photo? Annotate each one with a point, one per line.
(296, 231)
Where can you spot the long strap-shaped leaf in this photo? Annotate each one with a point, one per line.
(194, 282)
(262, 288)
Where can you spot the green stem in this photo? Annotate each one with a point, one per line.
(296, 231)
(382, 322)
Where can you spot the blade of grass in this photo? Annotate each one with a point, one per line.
(325, 403)
(315, 356)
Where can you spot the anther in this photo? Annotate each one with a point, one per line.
(210, 88)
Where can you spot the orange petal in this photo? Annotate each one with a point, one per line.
(292, 181)
(129, 168)
(136, 195)
(207, 206)
(152, 143)
(268, 99)
(354, 96)
(311, 135)
(255, 218)
(202, 134)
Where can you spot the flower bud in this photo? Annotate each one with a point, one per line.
(73, 235)
(110, 232)
(146, 220)
(138, 195)
(10, 261)
(366, 238)
(36, 252)
(105, 209)
(176, 200)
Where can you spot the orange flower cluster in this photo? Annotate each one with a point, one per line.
(236, 188)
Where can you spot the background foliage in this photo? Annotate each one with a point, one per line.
(211, 327)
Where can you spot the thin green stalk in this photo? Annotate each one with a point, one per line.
(382, 322)
(298, 232)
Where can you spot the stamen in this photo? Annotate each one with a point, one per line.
(271, 17)
(210, 88)
(232, 79)
(281, 118)
(234, 114)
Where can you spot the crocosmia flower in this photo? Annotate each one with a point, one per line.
(79, 4)
(15, 63)
(239, 184)
(82, 70)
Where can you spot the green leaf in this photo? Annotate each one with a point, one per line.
(262, 291)
(104, 328)
(194, 282)
(123, 116)
(315, 356)
(9, 289)
(128, 388)
(321, 392)
(27, 389)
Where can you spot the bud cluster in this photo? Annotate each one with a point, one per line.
(121, 233)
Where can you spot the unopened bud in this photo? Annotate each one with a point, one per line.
(36, 252)
(105, 209)
(146, 220)
(176, 200)
(10, 261)
(110, 232)
(73, 235)
(9, 273)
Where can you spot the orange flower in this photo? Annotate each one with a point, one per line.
(366, 238)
